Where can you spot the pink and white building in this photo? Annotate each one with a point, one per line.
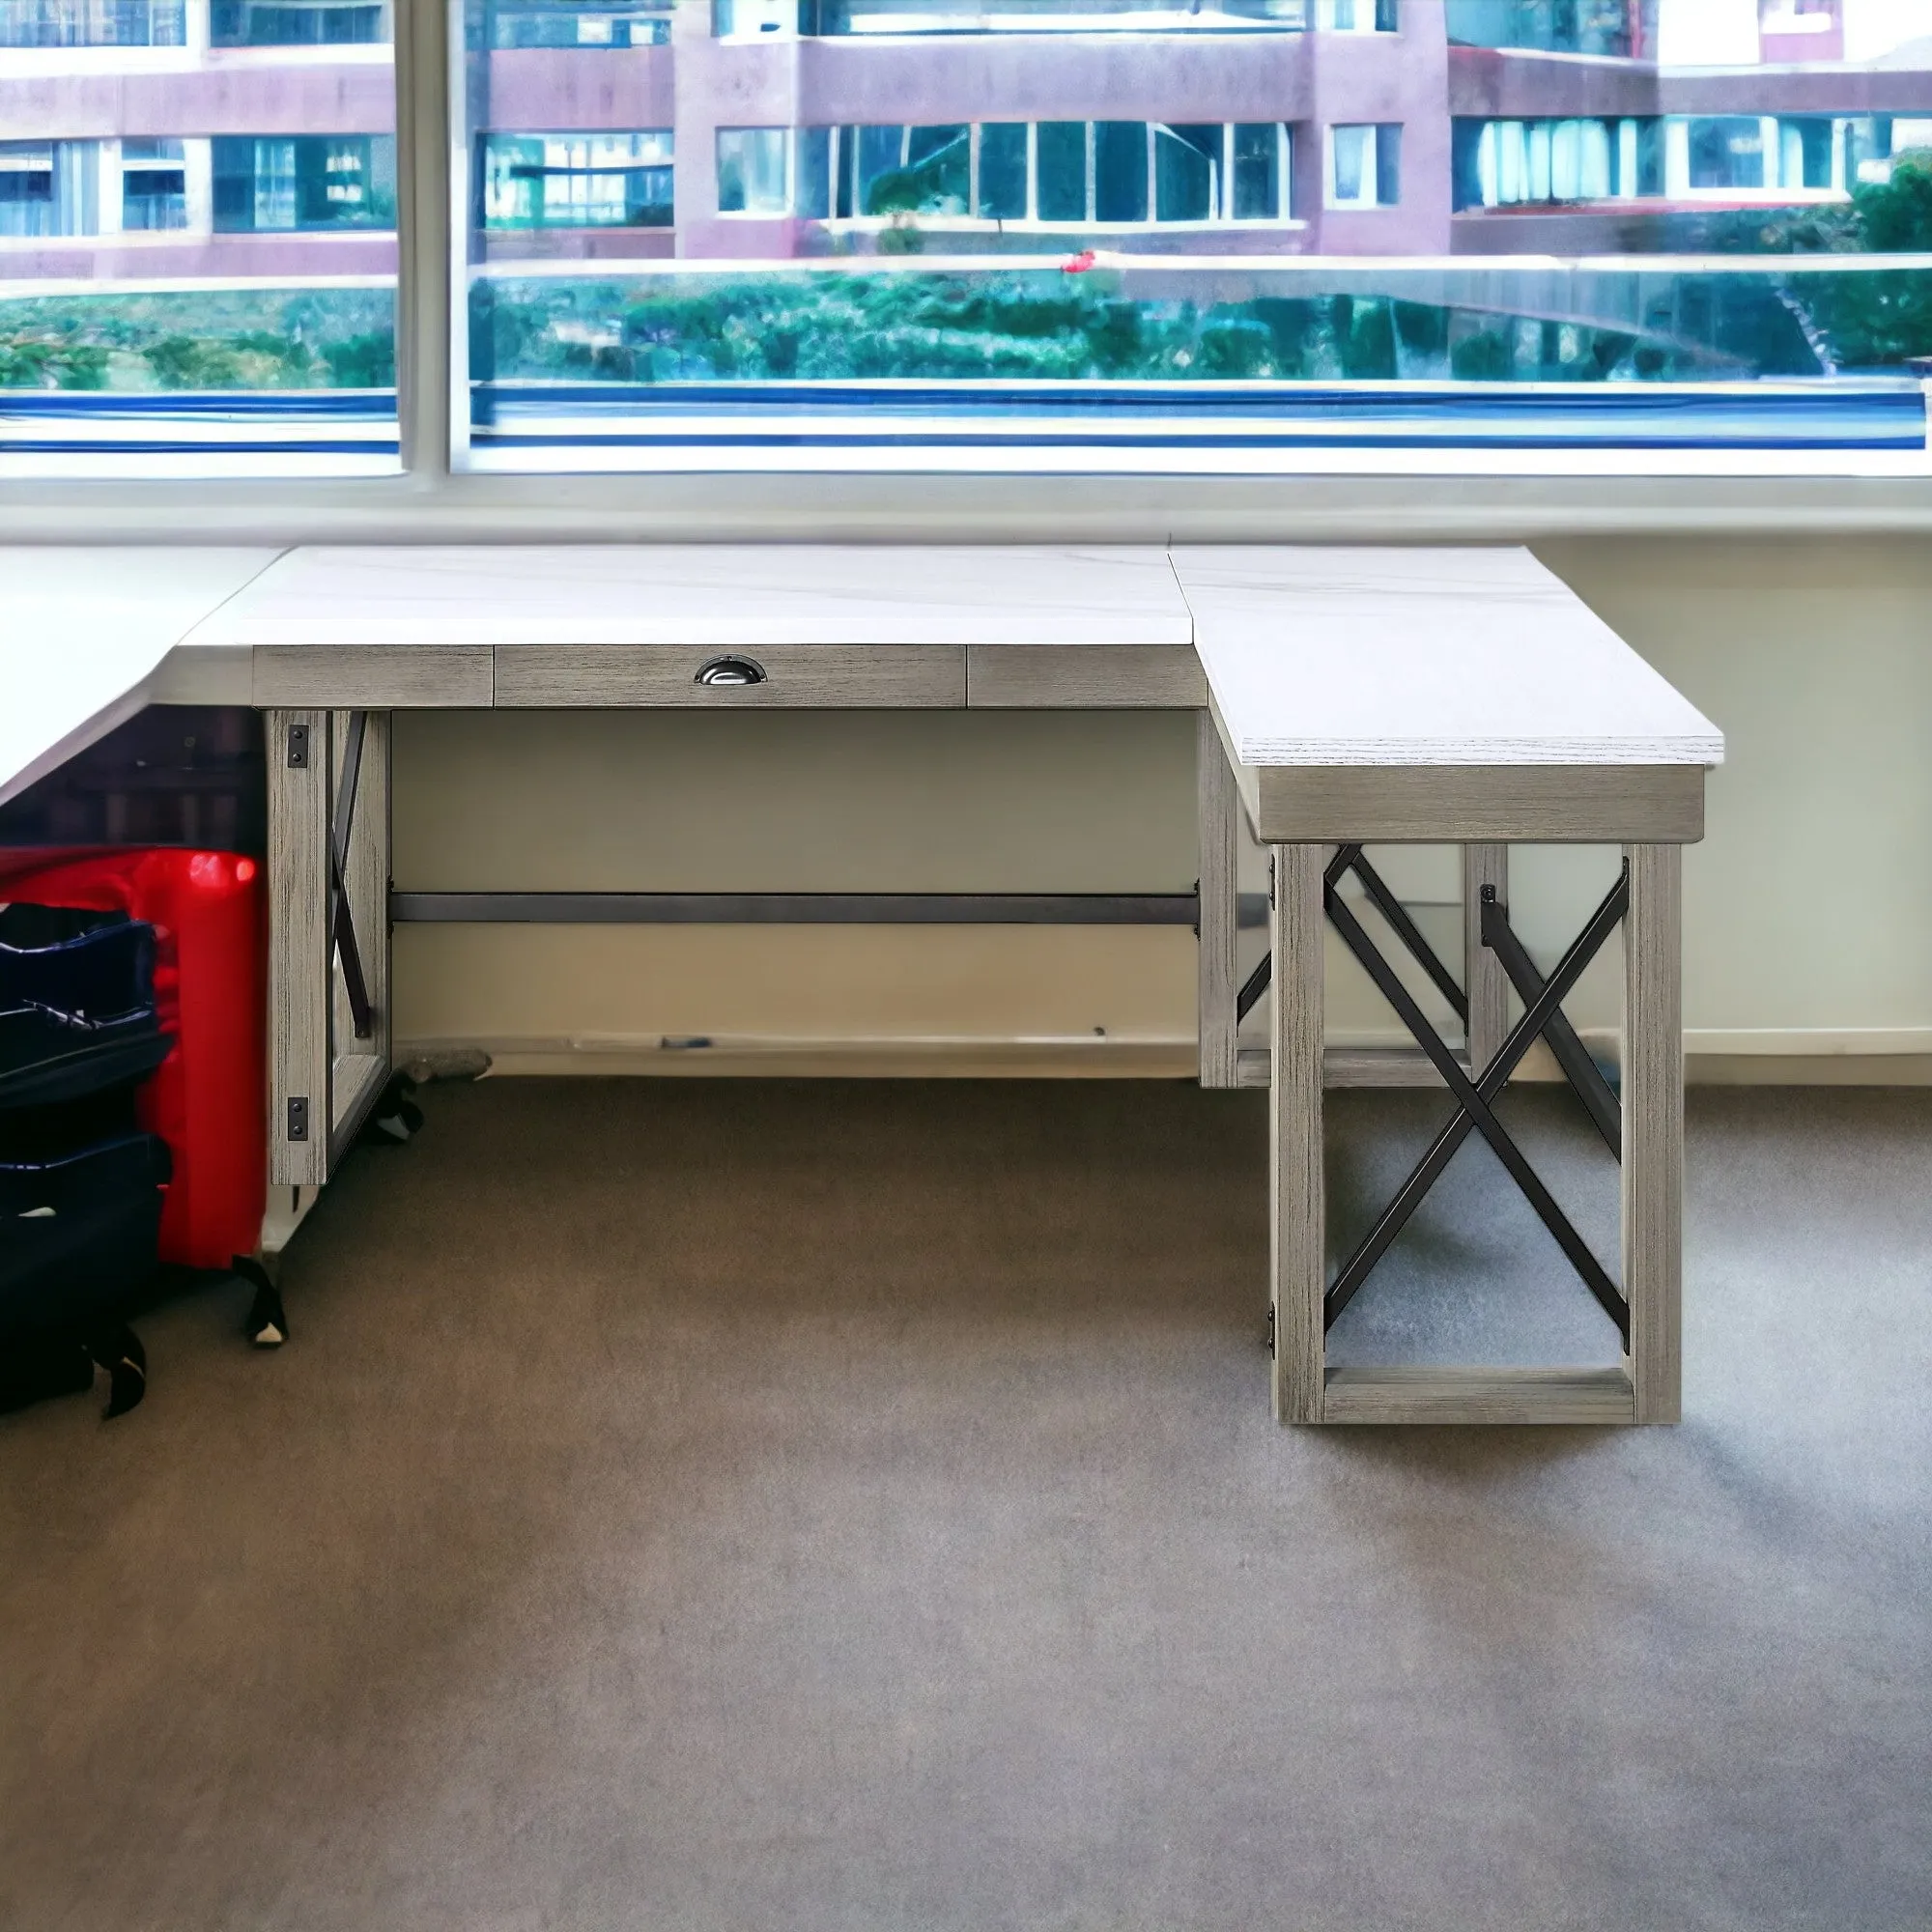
(254, 138)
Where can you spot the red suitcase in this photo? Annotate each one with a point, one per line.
(207, 1100)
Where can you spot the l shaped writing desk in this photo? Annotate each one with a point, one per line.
(1345, 697)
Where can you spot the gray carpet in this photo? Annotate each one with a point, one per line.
(743, 1506)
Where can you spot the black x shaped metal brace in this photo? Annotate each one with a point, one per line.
(342, 923)
(1543, 1018)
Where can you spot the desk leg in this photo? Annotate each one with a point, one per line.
(1652, 1107)
(1216, 810)
(1484, 979)
(1298, 1191)
(298, 768)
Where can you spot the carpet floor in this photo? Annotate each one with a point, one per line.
(808, 1506)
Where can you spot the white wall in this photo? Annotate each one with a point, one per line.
(1809, 918)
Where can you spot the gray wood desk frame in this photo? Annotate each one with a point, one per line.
(1299, 814)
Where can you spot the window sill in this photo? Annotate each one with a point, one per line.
(927, 507)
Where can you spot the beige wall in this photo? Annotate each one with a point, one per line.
(1808, 921)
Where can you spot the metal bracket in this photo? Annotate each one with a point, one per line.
(1351, 859)
(297, 1117)
(342, 923)
(298, 748)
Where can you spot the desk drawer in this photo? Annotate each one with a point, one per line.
(822, 678)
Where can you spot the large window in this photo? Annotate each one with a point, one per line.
(197, 235)
(1194, 233)
(1088, 231)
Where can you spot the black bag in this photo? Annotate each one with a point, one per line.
(77, 1009)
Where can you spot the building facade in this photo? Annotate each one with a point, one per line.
(254, 139)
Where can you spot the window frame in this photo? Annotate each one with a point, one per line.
(1357, 496)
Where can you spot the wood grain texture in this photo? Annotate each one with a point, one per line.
(819, 677)
(373, 676)
(1329, 656)
(1653, 1106)
(1553, 805)
(1217, 968)
(1346, 1066)
(299, 948)
(1086, 677)
(1484, 983)
(1297, 1201)
(358, 1083)
(1588, 1397)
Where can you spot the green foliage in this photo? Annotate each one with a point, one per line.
(188, 362)
(362, 361)
(39, 363)
(1895, 218)
(1486, 356)
(1368, 341)
(832, 324)
(221, 339)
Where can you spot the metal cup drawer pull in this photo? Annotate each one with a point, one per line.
(730, 670)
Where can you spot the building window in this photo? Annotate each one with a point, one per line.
(26, 189)
(1061, 171)
(154, 184)
(92, 23)
(281, 184)
(1357, 16)
(1608, 28)
(754, 170)
(49, 189)
(752, 19)
(1514, 163)
(1365, 164)
(1727, 153)
(748, 19)
(577, 181)
(1120, 174)
(298, 23)
(601, 23)
(1001, 196)
(1120, 171)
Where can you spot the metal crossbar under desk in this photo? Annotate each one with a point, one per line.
(1467, 697)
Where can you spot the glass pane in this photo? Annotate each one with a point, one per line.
(1697, 227)
(1063, 171)
(1354, 157)
(1187, 173)
(1003, 172)
(1257, 195)
(751, 171)
(197, 235)
(1120, 171)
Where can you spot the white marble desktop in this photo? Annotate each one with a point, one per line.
(82, 633)
(1424, 657)
(704, 594)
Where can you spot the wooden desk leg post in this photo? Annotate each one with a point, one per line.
(1297, 1194)
(1483, 977)
(298, 767)
(1217, 805)
(1652, 1107)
